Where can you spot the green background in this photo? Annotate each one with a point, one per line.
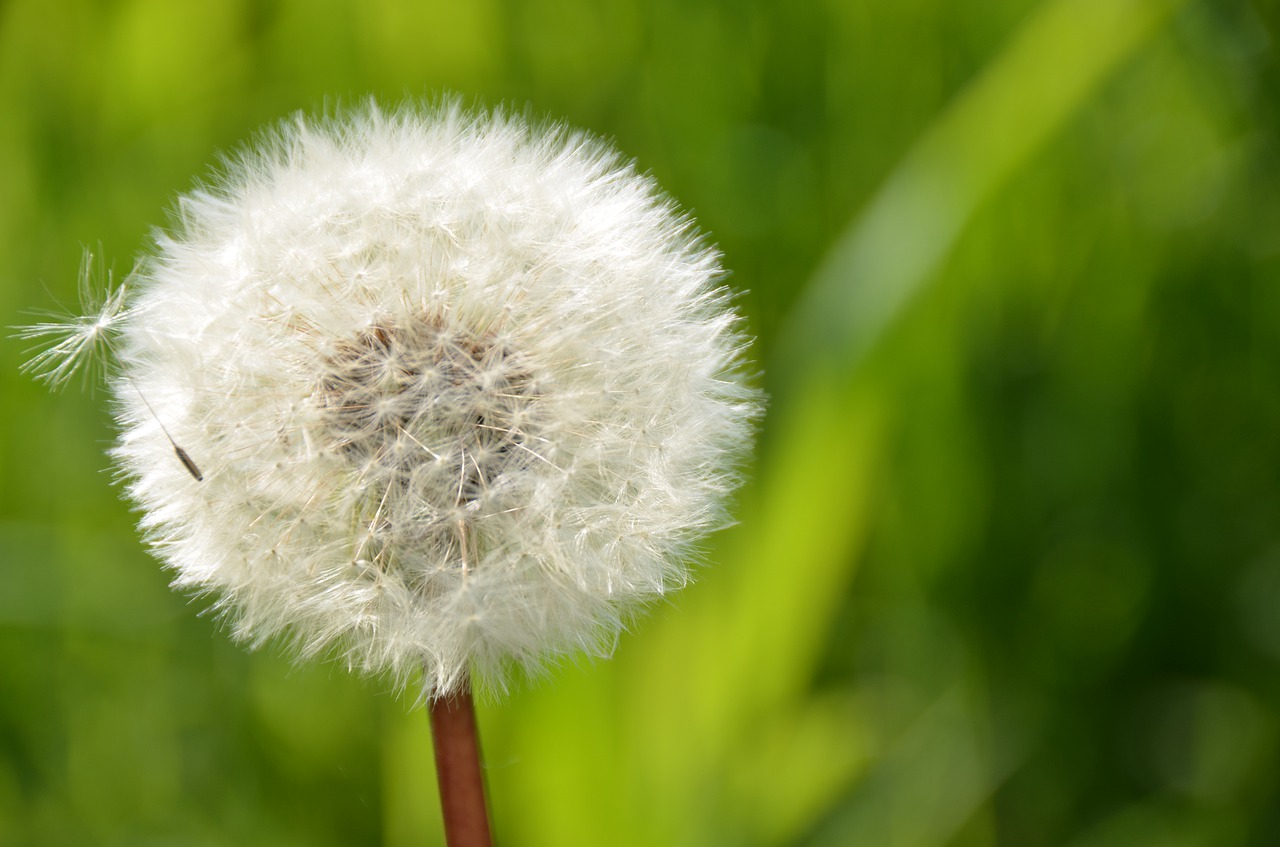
(1008, 568)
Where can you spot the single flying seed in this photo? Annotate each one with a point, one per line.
(187, 461)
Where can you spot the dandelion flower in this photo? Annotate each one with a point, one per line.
(454, 394)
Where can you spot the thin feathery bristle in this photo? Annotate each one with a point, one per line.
(77, 343)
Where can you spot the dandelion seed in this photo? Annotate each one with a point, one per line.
(71, 343)
(183, 457)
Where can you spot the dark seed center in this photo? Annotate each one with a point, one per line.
(435, 421)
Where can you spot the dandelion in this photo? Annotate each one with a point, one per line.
(449, 395)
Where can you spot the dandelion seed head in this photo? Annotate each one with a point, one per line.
(464, 393)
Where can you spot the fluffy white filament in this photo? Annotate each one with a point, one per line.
(462, 393)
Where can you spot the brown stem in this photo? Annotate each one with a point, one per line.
(453, 731)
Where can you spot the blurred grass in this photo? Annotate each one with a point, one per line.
(1007, 572)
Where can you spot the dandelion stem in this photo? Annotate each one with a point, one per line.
(457, 747)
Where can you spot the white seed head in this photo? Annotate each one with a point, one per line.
(462, 392)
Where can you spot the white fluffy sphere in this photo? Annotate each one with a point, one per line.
(461, 393)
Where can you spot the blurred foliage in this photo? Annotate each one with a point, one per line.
(1009, 568)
